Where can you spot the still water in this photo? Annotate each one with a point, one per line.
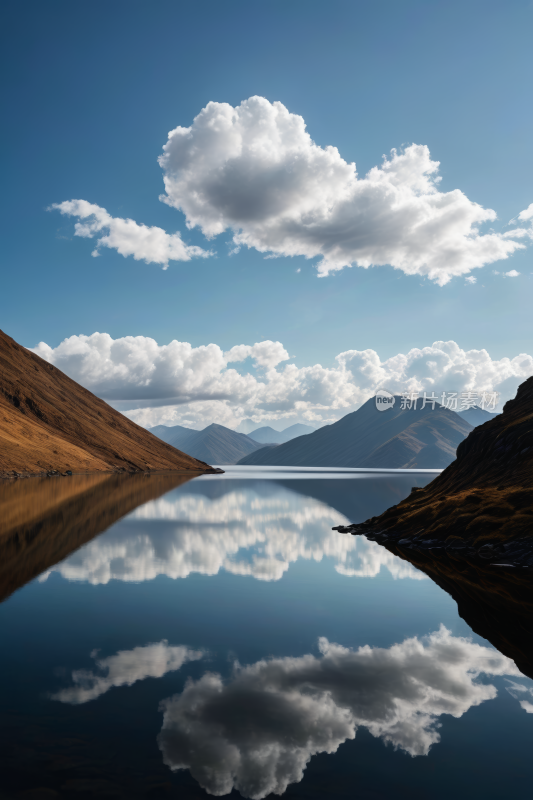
(218, 638)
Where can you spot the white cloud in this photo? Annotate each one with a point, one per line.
(511, 274)
(471, 279)
(243, 532)
(123, 669)
(254, 170)
(257, 732)
(527, 214)
(150, 244)
(180, 384)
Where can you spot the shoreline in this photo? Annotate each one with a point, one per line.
(14, 475)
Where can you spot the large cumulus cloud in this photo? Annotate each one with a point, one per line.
(254, 170)
(180, 384)
(257, 732)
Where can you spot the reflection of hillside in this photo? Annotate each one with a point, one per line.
(496, 602)
(357, 500)
(44, 520)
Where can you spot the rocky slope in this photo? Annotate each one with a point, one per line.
(481, 506)
(49, 422)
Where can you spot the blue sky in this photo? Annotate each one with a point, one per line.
(92, 90)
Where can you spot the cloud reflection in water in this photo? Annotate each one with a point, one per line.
(123, 669)
(245, 532)
(257, 732)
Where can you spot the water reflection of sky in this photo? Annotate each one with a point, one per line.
(255, 528)
(224, 637)
(257, 730)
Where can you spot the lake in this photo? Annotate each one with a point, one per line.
(164, 637)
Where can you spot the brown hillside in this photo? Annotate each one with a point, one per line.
(49, 422)
(485, 495)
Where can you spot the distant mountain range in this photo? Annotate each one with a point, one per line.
(397, 438)
(269, 435)
(248, 426)
(223, 445)
(422, 438)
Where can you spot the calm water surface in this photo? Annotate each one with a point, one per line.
(222, 639)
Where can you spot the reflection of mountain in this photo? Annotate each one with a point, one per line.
(257, 731)
(361, 497)
(415, 438)
(255, 528)
(45, 519)
(496, 602)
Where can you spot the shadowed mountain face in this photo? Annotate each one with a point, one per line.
(49, 422)
(485, 496)
(216, 444)
(416, 438)
(45, 520)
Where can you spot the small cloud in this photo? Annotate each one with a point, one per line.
(511, 274)
(299, 269)
(471, 279)
(495, 272)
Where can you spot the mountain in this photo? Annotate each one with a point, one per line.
(296, 430)
(397, 438)
(169, 434)
(247, 426)
(482, 504)
(476, 415)
(49, 422)
(176, 435)
(218, 444)
(267, 435)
